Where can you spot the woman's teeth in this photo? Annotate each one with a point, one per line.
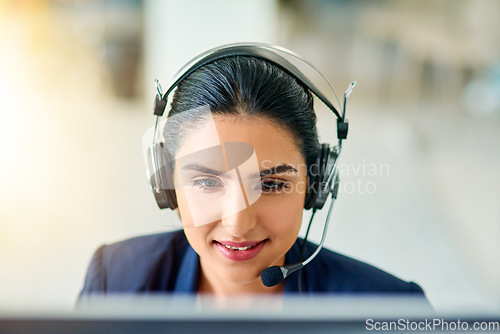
(240, 248)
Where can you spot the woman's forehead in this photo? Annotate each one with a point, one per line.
(252, 129)
(269, 140)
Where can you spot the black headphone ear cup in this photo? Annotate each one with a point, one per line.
(317, 193)
(321, 193)
(161, 180)
(333, 183)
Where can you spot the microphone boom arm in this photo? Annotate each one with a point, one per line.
(276, 274)
(323, 236)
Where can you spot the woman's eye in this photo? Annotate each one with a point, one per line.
(274, 186)
(208, 184)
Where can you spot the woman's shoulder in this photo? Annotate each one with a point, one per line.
(143, 263)
(335, 272)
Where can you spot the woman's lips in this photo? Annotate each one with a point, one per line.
(239, 251)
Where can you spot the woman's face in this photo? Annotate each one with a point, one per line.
(235, 246)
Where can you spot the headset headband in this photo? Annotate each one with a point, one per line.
(260, 51)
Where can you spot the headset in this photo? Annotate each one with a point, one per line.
(322, 177)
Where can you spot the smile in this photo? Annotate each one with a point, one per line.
(239, 251)
(240, 248)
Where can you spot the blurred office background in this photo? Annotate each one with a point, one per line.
(421, 183)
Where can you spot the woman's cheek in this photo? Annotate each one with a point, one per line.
(284, 216)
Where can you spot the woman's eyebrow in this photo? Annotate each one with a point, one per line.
(269, 171)
(203, 169)
(277, 169)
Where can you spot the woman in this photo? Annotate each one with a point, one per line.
(243, 144)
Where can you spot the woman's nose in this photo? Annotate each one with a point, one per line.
(239, 224)
(238, 217)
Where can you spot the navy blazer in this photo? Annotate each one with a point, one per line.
(166, 262)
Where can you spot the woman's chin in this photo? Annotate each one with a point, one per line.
(242, 278)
